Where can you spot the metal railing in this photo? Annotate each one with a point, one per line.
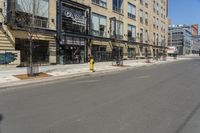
(131, 16)
(99, 33)
(100, 3)
(118, 10)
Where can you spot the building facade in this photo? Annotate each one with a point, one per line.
(183, 37)
(131, 28)
(195, 49)
(69, 31)
(23, 20)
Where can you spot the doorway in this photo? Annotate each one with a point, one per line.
(73, 54)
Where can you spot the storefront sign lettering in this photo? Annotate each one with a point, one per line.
(74, 15)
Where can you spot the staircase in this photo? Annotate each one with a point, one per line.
(5, 43)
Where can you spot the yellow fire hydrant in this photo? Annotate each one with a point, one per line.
(91, 64)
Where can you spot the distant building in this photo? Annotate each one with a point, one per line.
(195, 29)
(181, 37)
(195, 49)
(185, 38)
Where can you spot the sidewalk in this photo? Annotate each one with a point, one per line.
(8, 79)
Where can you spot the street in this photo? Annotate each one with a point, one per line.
(155, 99)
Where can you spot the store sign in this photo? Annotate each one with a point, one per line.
(75, 15)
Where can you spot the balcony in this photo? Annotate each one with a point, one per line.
(118, 10)
(41, 23)
(100, 3)
(118, 37)
(99, 33)
(131, 39)
(131, 16)
(23, 20)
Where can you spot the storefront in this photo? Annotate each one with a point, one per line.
(40, 51)
(73, 32)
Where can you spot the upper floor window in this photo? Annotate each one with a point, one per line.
(99, 25)
(24, 8)
(146, 3)
(141, 16)
(131, 11)
(117, 29)
(141, 2)
(131, 32)
(102, 3)
(146, 18)
(118, 6)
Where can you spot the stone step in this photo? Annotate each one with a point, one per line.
(3, 38)
(2, 35)
(5, 44)
(6, 48)
(4, 41)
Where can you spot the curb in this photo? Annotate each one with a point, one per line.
(46, 80)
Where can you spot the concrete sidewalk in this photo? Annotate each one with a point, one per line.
(8, 79)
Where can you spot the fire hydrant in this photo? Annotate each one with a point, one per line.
(91, 64)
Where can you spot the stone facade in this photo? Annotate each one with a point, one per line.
(153, 13)
(47, 34)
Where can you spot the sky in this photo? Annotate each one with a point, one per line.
(184, 11)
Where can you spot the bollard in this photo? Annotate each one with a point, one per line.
(91, 64)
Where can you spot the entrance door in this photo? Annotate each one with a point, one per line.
(74, 54)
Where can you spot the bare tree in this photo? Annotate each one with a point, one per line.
(26, 13)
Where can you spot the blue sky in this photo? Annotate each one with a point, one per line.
(184, 11)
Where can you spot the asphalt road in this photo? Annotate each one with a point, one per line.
(155, 99)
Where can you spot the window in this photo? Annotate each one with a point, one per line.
(102, 3)
(154, 6)
(146, 3)
(141, 2)
(157, 23)
(141, 16)
(146, 36)
(154, 38)
(131, 32)
(157, 40)
(154, 22)
(146, 18)
(117, 29)
(131, 11)
(24, 7)
(141, 35)
(118, 6)
(99, 25)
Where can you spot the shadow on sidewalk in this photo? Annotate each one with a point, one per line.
(1, 119)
